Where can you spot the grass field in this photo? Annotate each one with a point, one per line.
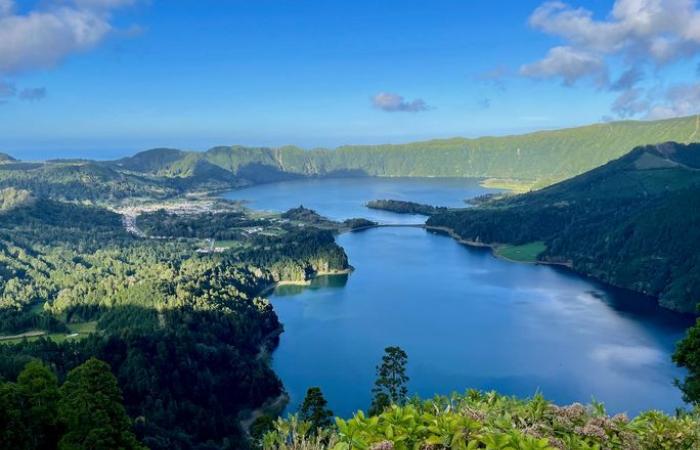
(77, 331)
(514, 186)
(521, 253)
(227, 244)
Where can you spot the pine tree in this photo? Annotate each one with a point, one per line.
(91, 406)
(315, 410)
(39, 387)
(390, 385)
(28, 410)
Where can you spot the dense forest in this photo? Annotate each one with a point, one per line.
(85, 412)
(226, 225)
(633, 223)
(185, 333)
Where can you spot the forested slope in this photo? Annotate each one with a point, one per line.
(541, 158)
(634, 223)
(185, 333)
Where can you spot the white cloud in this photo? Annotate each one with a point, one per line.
(627, 80)
(678, 100)
(396, 103)
(630, 103)
(43, 37)
(634, 35)
(663, 30)
(568, 64)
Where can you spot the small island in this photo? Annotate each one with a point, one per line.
(359, 224)
(404, 207)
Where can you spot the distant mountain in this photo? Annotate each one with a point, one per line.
(4, 157)
(539, 159)
(156, 161)
(634, 223)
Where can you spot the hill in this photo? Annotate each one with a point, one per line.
(80, 181)
(537, 159)
(633, 222)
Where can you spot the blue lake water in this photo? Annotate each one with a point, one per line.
(465, 318)
(344, 198)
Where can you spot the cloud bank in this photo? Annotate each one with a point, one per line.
(637, 35)
(396, 103)
(43, 37)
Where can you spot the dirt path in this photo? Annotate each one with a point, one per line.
(23, 335)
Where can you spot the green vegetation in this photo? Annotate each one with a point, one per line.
(490, 421)
(535, 159)
(314, 409)
(184, 332)
(308, 217)
(632, 223)
(226, 225)
(688, 355)
(82, 182)
(518, 162)
(359, 223)
(475, 420)
(521, 253)
(85, 413)
(91, 406)
(390, 385)
(12, 198)
(403, 207)
(514, 186)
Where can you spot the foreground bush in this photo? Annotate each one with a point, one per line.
(490, 421)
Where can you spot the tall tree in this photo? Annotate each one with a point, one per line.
(688, 355)
(390, 385)
(315, 410)
(39, 387)
(91, 405)
(28, 410)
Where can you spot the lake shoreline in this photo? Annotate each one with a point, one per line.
(322, 273)
(493, 247)
(451, 233)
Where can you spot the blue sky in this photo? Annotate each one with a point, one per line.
(118, 76)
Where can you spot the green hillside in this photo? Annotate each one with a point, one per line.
(539, 158)
(634, 223)
(80, 181)
(535, 159)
